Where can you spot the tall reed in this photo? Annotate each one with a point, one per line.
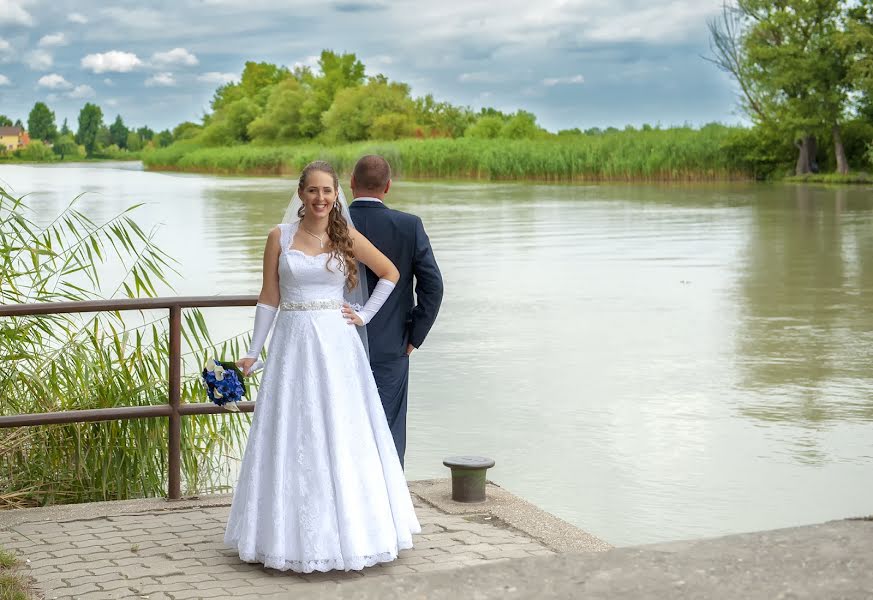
(69, 362)
(677, 154)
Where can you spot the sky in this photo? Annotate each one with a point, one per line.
(573, 63)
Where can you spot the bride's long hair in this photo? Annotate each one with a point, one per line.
(337, 227)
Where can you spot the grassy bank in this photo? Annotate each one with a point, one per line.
(833, 178)
(13, 585)
(679, 154)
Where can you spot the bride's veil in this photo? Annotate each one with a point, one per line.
(358, 295)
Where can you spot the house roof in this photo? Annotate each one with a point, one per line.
(11, 131)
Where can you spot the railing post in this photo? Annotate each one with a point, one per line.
(174, 466)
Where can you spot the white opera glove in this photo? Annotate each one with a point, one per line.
(380, 294)
(264, 317)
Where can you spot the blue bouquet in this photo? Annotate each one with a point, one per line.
(224, 384)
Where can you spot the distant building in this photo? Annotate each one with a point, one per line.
(13, 138)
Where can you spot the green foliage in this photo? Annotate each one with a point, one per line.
(441, 119)
(487, 127)
(118, 132)
(521, 126)
(280, 121)
(133, 143)
(41, 123)
(678, 154)
(36, 150)
(163, 138)
(66, 146)
(90, 123)
(83, 361)
(65, 129)
(5, 121)
(230, 126)
(146, 134)
(183, 131)
(356, 109)
(13, 584)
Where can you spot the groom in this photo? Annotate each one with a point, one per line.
(404, 321)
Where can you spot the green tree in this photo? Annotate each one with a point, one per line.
(5, 121)
(19, 124)
(281, 119)
(118, 132)
(356, 109)
(66, 146)
(787, 61)
(163, 139)
(486, 127)
(521, 126)
(230, 125)
(185, 130)
(65, 129)
(133, 142)
(90, 123)
(104, 138)
(858, 45)
(145, 133)
(41, 123)
(36, 150)
(338, 72)
(442, 119)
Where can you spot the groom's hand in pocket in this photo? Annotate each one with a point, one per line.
(409, 349)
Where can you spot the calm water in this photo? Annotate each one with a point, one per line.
(648, 362)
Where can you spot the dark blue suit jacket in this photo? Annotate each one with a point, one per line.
(403, 319)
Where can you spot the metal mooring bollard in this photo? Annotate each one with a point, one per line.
(468, 477)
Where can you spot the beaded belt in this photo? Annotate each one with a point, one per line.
(312, 305)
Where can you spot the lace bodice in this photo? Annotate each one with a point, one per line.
(304, 278)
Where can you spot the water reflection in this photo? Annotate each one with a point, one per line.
(805, 341)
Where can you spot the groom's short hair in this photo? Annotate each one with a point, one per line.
(372, 173)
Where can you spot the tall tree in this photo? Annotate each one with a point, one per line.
(338, 72)
(785, 57)
(90, 123)
(65, 129)
(41, 123)
(18, 123)
(5, 121)
(118, 132)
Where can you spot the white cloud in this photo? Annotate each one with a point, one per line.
(82, 91)
(310, 62)
(112, 102)
(572, 80)
(54, 82)
(113, 61)
(160, 80)
(176, 56)
(77, 18)
(54, 39)
(38, 60)
(12, 13)
(4, 80)
(217, 78)
(5, 51)
(479, 77)
(108, 82)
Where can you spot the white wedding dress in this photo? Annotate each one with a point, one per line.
(320, 485)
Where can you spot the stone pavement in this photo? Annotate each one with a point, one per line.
(173, 550)
(830, 561)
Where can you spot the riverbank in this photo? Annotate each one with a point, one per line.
(832, 178)
(629, 156)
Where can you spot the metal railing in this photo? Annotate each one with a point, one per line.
(174, 410)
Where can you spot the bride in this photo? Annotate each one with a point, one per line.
(320, 486)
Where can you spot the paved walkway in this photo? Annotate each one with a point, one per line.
(830, 561)
(159, 550)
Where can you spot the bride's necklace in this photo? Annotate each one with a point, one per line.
(320, 240)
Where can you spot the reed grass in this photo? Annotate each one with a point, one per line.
(13, 585)
(69, 362)
(676, 154)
